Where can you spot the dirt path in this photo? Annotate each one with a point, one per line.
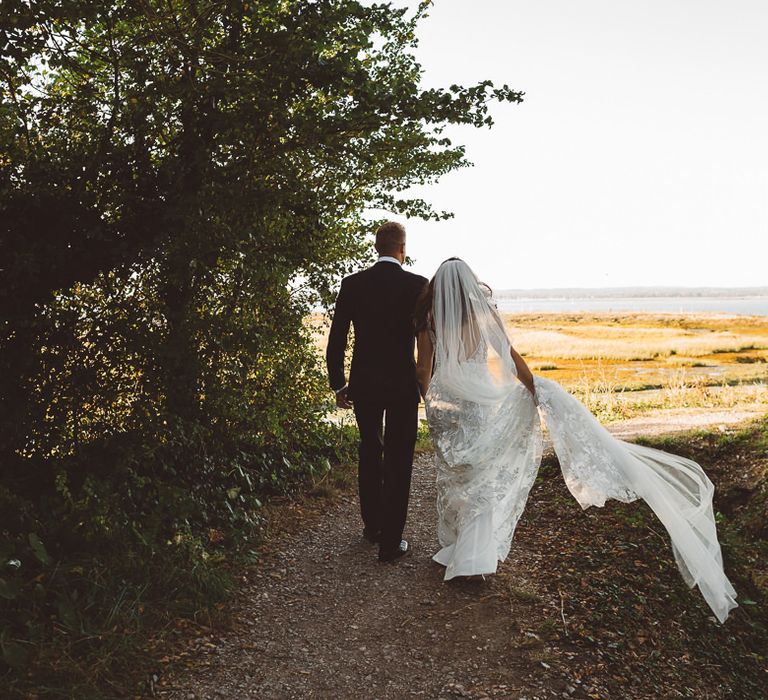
(675, 420)
(588, 605)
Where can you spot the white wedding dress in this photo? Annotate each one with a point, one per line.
(486, 429)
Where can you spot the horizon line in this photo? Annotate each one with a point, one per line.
(752, 290)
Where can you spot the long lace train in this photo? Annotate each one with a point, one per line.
(487, 435)
(488, 458)
(597, 466)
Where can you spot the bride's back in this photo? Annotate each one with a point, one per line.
(472, 350)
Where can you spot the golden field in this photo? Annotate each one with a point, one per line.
(629, 364)
(624, 365)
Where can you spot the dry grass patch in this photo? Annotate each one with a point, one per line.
(633, 338)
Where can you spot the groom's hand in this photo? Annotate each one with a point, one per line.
(342, 401)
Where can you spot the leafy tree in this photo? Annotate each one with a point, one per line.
(180, 182)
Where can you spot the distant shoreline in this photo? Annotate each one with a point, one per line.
(635, 293)
(680, 305)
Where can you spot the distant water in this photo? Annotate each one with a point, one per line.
(749, 306)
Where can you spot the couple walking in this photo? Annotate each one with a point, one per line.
(483, 409)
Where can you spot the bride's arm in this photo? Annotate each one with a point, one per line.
(521, 368)
(424, 361)
(523, 372)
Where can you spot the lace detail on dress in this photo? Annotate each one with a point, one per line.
(487, 437)
(588, 466)
(487, 459)
(488, 455)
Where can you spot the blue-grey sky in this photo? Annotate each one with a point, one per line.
(640, 153)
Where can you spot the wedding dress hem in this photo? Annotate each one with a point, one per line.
(475, 551)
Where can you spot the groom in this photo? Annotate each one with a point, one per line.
(379, 303)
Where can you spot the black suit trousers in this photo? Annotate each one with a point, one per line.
(387, 440)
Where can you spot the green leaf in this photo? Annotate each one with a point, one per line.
(6, 549)
(9, 589)
(14, 654)
(38, 548)
(68, 614)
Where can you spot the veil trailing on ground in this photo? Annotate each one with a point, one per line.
(486, 432)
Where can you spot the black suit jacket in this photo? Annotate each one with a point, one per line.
(379, 303)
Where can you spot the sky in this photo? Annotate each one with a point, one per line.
(639, 156)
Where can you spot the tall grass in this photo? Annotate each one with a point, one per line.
(602, 394)
(609, 401)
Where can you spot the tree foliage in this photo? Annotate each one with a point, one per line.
(180, 182)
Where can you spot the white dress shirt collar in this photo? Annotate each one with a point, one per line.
(388, 258)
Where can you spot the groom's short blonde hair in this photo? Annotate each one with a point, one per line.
(389, 237)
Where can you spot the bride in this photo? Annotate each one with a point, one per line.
(483, 404)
